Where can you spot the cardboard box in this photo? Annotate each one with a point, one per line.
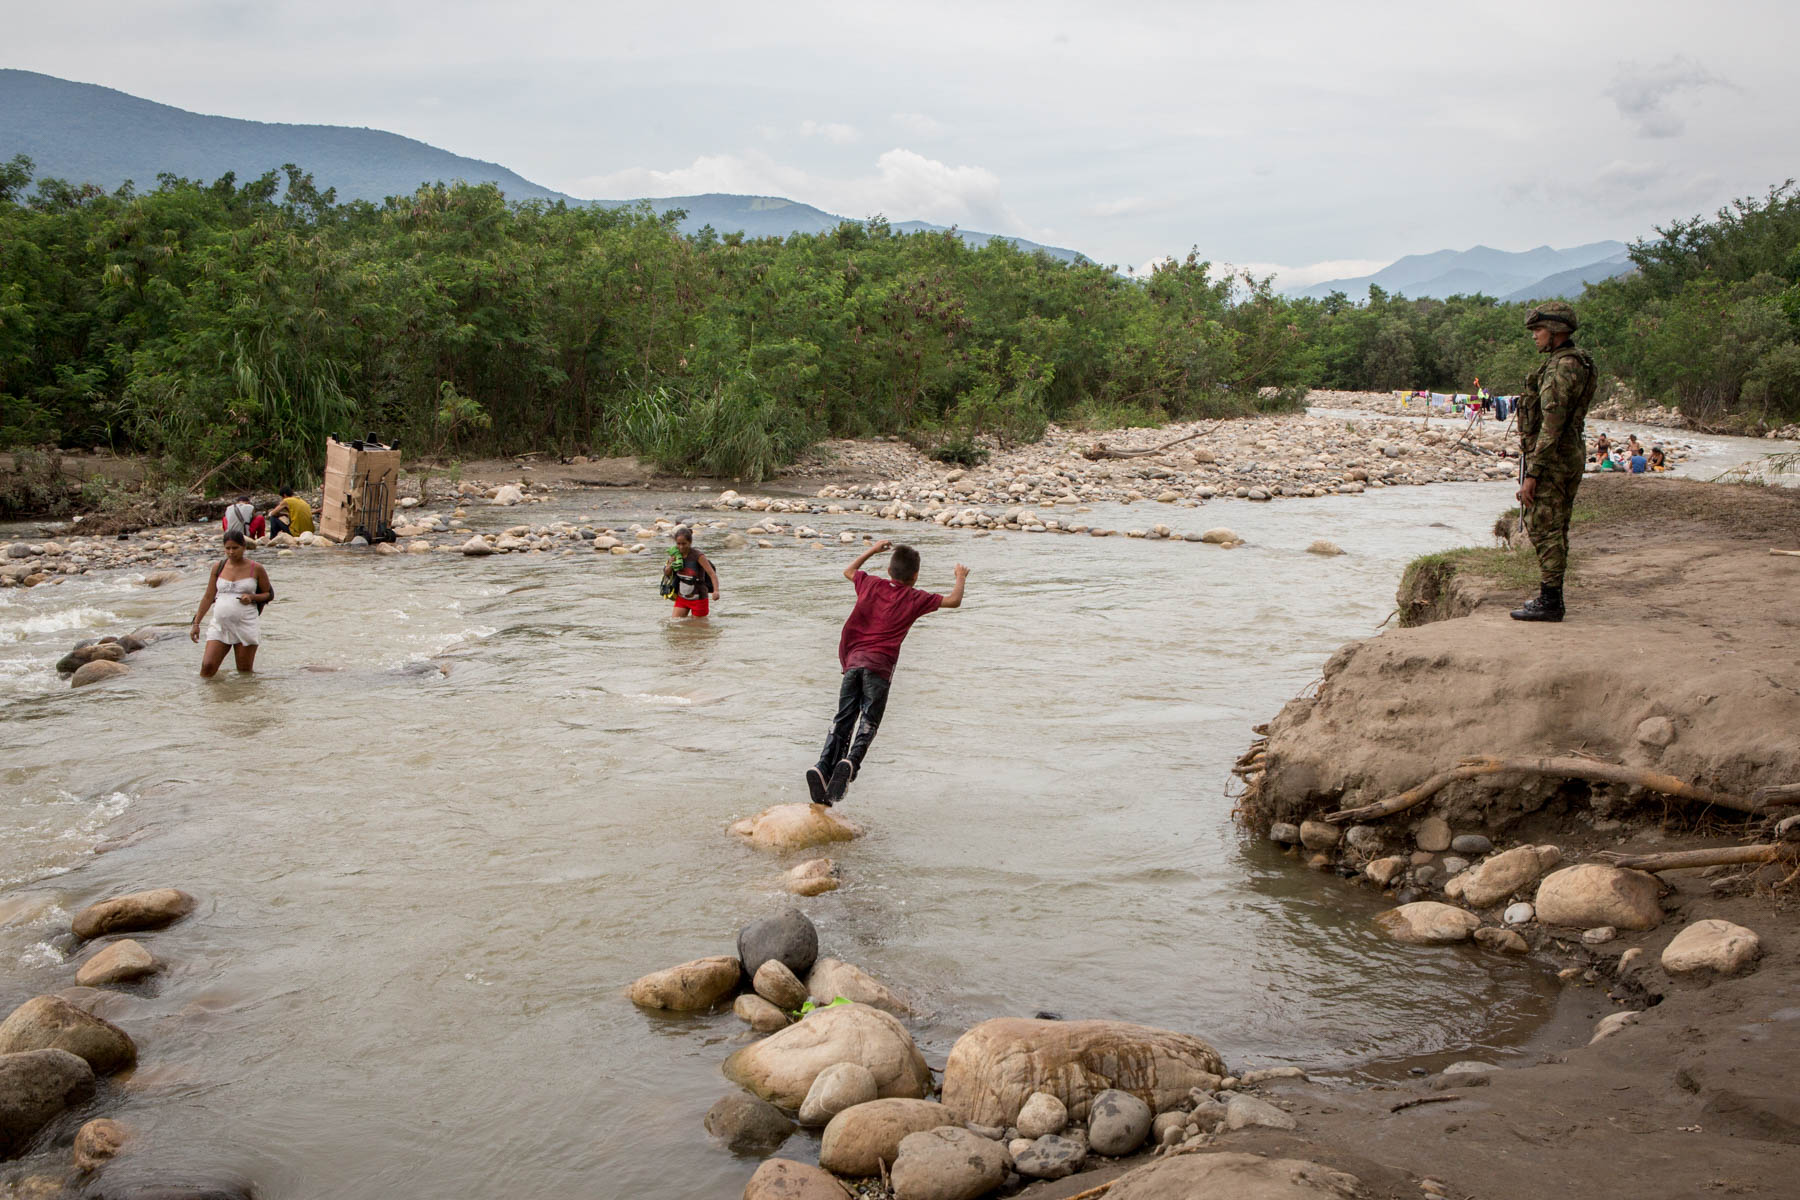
(359, 491)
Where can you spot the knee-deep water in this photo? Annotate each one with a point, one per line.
(422, 894)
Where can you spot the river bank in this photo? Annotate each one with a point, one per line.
(1678, 659)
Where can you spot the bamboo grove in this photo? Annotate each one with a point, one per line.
(199, 323)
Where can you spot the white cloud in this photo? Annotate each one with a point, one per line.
(831, 131)
(1643, 94)
(903, 185)
(918, 124)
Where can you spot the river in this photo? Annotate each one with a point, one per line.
(423, 893)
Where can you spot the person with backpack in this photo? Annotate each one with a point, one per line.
(689, 578)
(235, 594)
(238, 516)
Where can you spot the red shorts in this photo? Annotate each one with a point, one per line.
(698, 607)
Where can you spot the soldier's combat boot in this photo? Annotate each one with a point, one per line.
(1547, 605)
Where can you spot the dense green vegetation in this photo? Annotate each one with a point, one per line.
(202, 323)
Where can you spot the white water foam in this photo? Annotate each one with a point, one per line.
(81, 617)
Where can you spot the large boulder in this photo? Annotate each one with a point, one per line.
(838, 1087)
(1502, 875)
(1239, 1176)
(1118, 1123)
(690, 987)
(1591, 894)
(120, 962)
(1711, 945)
(998, 1064)
(1428, 923)
(831, 978)
(139, 910)
(748, 1125)
(781, 1068)
(52, 1023)
(96, 672)
(784, 1179)
(859, 1140)
(35, 1086)
(794, 827)
(947, 1163)
(787, 938)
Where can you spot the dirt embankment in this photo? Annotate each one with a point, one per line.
(1680, 655)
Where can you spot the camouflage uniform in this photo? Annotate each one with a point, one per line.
(1552, 410)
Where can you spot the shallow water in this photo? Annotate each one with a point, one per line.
(421, 895)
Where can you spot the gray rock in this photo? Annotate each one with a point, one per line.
(1168, 1128)
(787, 937)
(1474, 845)
(35, 1086)
(1454, 866)
(778, 985)
(1656, 731)
(947, 1163)
(1242, 1112)
(1599, 935)
(1050, 1157)
(1364, 839)
(1284, 833)
(1118, 1123)
(748, 1125)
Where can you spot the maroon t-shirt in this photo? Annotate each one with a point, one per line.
(884, 611)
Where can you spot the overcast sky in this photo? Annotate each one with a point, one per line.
(1327, 138)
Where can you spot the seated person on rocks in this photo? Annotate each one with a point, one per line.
(1658, 460)
(1607, 463)
(1601, 448)
(1639, 464)
(291, 514)
(868, 650)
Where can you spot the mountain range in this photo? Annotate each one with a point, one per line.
(85, 133)
(1540, 274)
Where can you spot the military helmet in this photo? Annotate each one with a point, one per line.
(1553, 314)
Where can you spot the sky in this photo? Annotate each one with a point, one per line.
(1313, 140)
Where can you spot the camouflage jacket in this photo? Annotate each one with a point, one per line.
(1553, 409)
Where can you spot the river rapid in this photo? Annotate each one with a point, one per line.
(422, 893)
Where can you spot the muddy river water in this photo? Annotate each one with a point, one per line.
(423, 893)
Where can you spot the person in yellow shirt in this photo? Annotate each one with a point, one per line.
(292, 515)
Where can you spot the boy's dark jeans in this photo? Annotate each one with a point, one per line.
(863, 694)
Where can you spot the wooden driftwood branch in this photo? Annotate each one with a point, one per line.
(1775, 797)
(1100, 450)
(1787, 553)
(1718, 856)
(1418, 1100)
(1589, 769)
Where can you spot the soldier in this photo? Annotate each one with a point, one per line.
(1552, 449)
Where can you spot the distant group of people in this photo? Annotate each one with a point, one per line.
(291, 514)
(1629, 457)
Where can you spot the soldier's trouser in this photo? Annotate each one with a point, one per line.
(1547, 521)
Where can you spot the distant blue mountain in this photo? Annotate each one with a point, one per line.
(1540, 274)
(85, 133)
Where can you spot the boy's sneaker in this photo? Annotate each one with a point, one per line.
(815, 783)
(841, 775)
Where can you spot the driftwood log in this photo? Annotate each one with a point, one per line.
(1100, 450)
(1553, 768)
(1775, 797)
(1718, 856)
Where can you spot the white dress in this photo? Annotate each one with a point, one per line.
(233, 621)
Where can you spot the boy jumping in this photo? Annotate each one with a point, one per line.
(867, 651)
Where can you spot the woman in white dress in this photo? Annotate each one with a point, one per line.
(236, 593)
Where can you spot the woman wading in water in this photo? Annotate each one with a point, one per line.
(240, 589)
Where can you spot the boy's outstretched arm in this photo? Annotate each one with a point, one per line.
(851, 570)
(954, 599)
